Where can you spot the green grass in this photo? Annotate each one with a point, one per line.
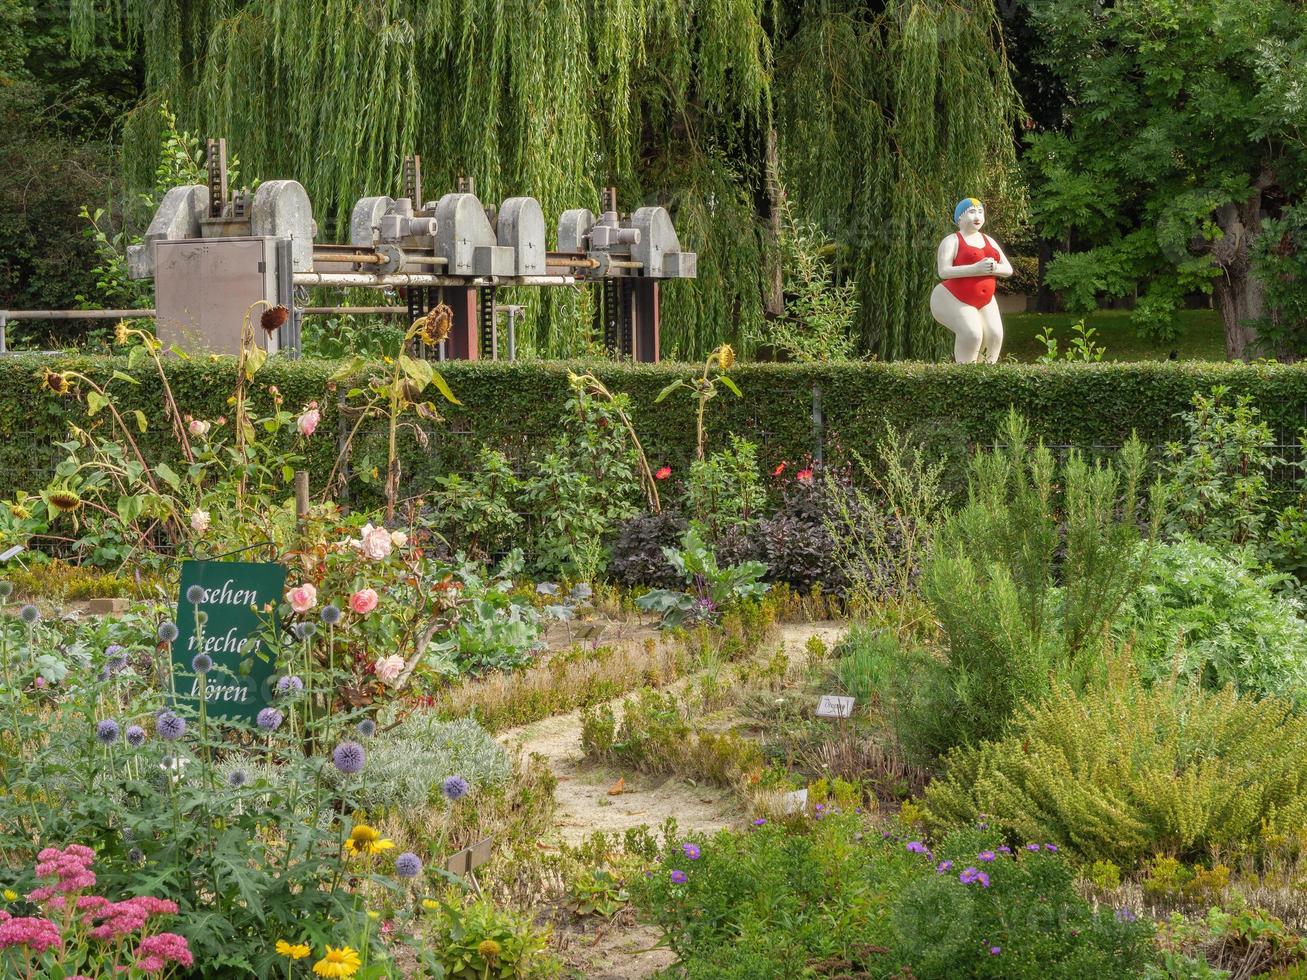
(1201, 337)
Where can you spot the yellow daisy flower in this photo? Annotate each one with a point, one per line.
(343, 962)
(296, 952)
(430, 904)
(367, 840)
(11, 895)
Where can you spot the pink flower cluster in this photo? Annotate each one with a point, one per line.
(36, 934)
(155, 952)
(71, 868)
(118, 919)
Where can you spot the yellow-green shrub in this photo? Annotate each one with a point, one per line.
(1124, 773)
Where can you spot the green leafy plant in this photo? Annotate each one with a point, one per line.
(724, 492)
(597, 891)
(478, 941)
(713, 589)
(820, 309)
(1081, 348)
(704, 388)
(1128, 771)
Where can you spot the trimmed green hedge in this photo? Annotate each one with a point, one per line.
(516, 406)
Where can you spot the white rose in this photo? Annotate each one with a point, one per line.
(398, 538)
(373, 542)
(199, 521)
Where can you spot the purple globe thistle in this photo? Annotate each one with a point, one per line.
(407, 865)
(135, 736)
(117, 660)
(455, 788)
(170, 727)
(195, 594)
(167, 632)
(6, 589)
(269, 719)
(136, 855)
(289, 684)
(367, 728)
(304, 631)
(349, 757)
(678, 877)
(201, 663)
(29, 614)
(106, 732)
(237, 778)
(691, 851)
(330, 614)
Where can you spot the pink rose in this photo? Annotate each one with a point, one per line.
(363, 601)
(373, 542)
(309, 420)
(198, 427)
(302, 598)
(388, 669)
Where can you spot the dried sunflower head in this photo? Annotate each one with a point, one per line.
(55, 381)
(64, 500)
(274, 318)
(120, 333)
(434, 326)
(20, 511)
(725, 357)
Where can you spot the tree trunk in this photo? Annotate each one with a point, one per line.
(774, 300)
(1236, 292)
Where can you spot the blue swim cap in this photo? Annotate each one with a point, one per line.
(965, 205)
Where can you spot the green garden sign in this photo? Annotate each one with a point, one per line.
(240, 601)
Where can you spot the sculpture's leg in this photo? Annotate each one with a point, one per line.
(964, 320)
(993, 340)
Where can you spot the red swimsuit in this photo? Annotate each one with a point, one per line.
(973, 290)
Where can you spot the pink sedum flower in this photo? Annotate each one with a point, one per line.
(363, 601)
(35, 933)
(389, 668)
(302, 598)
(155, 952)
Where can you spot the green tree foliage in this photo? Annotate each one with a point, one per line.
(887, 112)
(1181, 132)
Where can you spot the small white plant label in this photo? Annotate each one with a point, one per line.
(795, 802)
(834, 706)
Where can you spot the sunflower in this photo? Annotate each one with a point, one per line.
(726, 357)
(367, 840)
(19, 511)
(296, 952)
(343, 962)
(64, 500)
(435, 326)
(54, 381)
(274, 318)
(120, 333)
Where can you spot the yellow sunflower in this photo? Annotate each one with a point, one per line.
(296, 952)
(367, 840)
(343, 962)
(726, 357)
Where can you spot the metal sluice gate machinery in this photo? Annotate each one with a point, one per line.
(213, 253)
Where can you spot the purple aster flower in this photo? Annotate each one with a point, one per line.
(407, 865)
(760, 821)
(106, 732)
(691, 851)
(1032, 847)
(995, 950)
(170, 726)
(916, 847)
(968, 875)
(678, 877)
(944, 867)
(201, 663)
(135, 736)
(348, 757)
(1124, 914)
(1051, 848)
(982, 879)
(269, 719)
(1004, 849)
(986, 855)
(455, 788)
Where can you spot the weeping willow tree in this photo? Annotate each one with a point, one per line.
(676, 102)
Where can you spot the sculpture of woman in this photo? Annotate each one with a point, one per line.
(964, 300)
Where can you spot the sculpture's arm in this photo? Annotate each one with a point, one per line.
(947, 252)
(1004, 267)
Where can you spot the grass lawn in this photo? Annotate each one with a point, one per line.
(1201, 337)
